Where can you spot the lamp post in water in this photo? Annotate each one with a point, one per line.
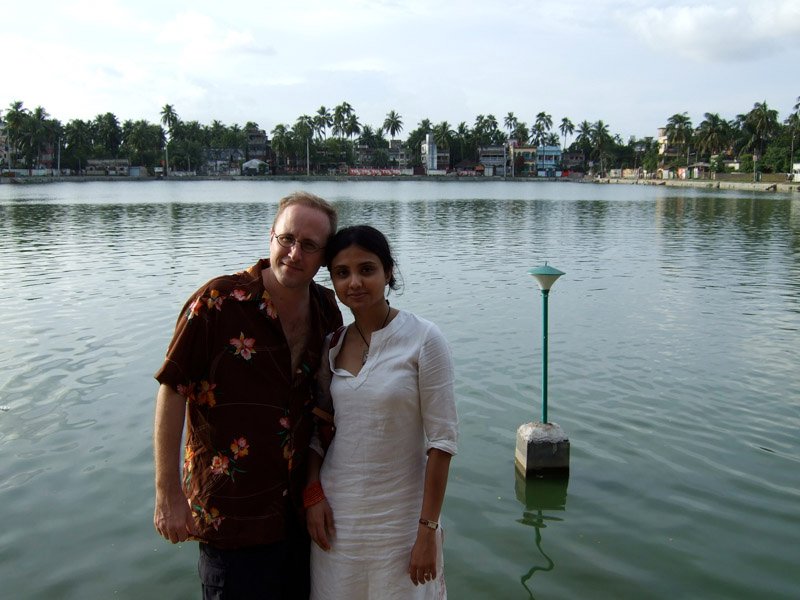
(542, 447)
(545, 276)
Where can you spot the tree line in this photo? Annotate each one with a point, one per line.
(332, 137)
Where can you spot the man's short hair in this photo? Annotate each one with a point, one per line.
(313, 201)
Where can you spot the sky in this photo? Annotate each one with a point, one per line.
(631, 63)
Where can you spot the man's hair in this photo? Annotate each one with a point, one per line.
(313, 201)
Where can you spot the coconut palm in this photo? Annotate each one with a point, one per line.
(545, 120)
(322, 121)
(16, 115)
(511, 122)
(680, 133)
(520, 133)
(601, 142)
(302, 130)
(78, 142)
(763, 122)
(341, 115)
(280, 142)
(393, 124)
(566, 128)
(168, 118)
(713, 135)
(107, 135)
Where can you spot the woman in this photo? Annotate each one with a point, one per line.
(374, 500)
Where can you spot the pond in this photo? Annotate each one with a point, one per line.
(673, 369)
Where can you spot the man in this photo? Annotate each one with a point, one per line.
(239, 371)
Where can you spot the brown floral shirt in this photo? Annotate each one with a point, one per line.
(248, 415)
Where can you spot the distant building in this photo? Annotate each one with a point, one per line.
(433, 159)
(548, 161)
(523, 160)
(222, 161)
(108, 166)
(493, 159)
(257, 144)
(397, 154)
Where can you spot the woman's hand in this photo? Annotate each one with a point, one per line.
(319, 521)
(422, 567)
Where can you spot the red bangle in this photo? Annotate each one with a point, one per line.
(313, 494)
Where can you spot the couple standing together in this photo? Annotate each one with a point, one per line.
(300, 429)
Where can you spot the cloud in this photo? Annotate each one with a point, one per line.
(716, 31)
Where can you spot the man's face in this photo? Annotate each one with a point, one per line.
(294, 267)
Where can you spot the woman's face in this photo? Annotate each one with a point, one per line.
(359, 278)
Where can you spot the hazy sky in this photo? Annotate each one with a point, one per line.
(631, 63)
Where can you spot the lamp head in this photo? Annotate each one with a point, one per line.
(545, 276)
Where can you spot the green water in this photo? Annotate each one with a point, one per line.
(674, 339)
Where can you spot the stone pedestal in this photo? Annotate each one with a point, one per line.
(542, 450)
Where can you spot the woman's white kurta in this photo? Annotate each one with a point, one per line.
(400, 405)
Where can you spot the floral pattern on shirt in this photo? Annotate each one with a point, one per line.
(241, 295)
(209, 517)
(214, 300)
(267, 306)
(226, 462)
(243, 346)
(286, 439)
(201, 392)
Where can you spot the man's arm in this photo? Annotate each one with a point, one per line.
(172, 517)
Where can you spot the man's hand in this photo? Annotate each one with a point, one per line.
(173, 517)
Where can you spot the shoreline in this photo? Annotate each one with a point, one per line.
(791, 187)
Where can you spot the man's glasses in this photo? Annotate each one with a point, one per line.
(287, 240)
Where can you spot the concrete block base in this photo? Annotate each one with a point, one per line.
(542, 450)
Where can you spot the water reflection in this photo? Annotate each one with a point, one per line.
(675, 334)
(539, 495)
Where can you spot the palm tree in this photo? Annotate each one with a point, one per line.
(393, 124)
(322, 120)
(713, 134)
(341, 115)
(679, 132)
(545, 119)
(280, 142)
(78, 140)
(303, 130)
(763, 122)
(566, 128)
(520, 133)
(443, 136)
(16, 115)
(601, 140)
(584, 139)
(168, 118)
(511, 122)
(107, 135)
(352, 126)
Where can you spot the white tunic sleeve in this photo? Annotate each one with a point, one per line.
(437, 392)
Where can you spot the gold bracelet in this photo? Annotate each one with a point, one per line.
(430, 524)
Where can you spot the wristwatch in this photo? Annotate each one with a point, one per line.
(430, 524)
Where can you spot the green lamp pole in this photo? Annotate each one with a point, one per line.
(545, 276)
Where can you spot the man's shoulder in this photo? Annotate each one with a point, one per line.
(226, 284)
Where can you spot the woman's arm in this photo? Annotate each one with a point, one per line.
(422, 567)
(319, 516)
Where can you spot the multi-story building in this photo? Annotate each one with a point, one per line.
(548, 161)
(434, 158)
(257, 144)
(493, 159)
(398, 158)
(523, 161)
(222, 161)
